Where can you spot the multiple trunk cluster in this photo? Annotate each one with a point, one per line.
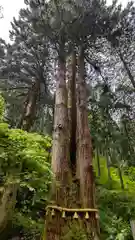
(72, 149)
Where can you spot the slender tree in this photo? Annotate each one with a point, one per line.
(29, 113)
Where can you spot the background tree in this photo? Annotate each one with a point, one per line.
(32, 59)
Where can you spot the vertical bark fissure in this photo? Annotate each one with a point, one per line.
(60, 136)
(72, 110)
(98, 162)
(74, 116)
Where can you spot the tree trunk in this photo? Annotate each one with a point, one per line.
(98, 162)
(132, 223)
(121, 178)
(108, 167)
(127, 69)
(8, 197)
(60, 148)
(29, 112)
(7, 204)
(60, 153)
(60, 156)
(72, 112)
(84, 161)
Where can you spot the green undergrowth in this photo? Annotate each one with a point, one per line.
(74, 231)
(25, 159)
(116, 206)
(127, 173)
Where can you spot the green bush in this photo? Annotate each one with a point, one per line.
(25, 160)
(74, 232)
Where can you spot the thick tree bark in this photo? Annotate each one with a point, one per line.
(60, 153)
(84, 139)
(72, 112)
(127, 69)
(84, 162)
(60, 148)
(29, 111)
